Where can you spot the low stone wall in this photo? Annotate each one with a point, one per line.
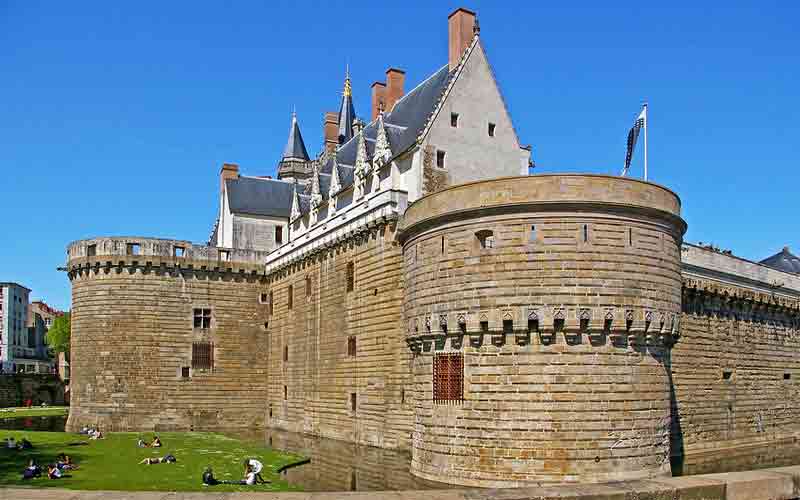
(40, 388)
(773, 484)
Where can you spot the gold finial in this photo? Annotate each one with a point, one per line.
(347, 88)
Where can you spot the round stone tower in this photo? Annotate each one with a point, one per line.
(541, 311)
(166, 335)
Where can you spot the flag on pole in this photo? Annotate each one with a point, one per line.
(633, 137)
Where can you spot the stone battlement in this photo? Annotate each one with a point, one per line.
(136, 252)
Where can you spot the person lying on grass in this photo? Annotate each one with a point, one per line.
(166, 459)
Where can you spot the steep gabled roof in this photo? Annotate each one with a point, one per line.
(259, 196)
(784, 261)
(347, 113)
(295, 147)
(403, 124)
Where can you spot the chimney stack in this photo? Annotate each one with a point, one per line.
(378, 97)
(229, 171)
(331, 131)
(460, 30)
(394, 87)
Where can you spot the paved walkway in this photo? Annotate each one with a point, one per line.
(776, 484)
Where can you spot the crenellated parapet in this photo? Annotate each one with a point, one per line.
(129, 254)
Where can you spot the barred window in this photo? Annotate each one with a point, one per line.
(351, 276)
(203, 355)
(202, 318)
(448, 378)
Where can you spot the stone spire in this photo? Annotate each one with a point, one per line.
(347, 112)
(295, 147)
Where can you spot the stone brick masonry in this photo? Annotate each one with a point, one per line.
(585, 345)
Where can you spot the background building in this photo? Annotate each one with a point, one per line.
(13, 327)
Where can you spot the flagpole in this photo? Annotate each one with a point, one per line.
(645, 140)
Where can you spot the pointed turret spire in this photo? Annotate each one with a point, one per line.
(347, 112)
(295, 147)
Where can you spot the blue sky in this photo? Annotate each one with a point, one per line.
(115, 117)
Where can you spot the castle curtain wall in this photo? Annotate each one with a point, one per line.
(338, 361)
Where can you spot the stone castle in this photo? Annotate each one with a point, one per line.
(413, 287)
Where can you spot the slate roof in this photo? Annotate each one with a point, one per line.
(784, 261)
(347, 115)
(295, 147)
(259, 196)
(403, 124)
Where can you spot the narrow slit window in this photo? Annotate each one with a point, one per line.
(491, 129)
(351, 346)
(351, 276)
(308, 285)
(454, 120)
(285, 393)
(442, 245)
(290, 299)
(630, 237)
(533, 234)
(285, 353)
(353, 401)
(440, 159)
(585, 233)
(448, 378)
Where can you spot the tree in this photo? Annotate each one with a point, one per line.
(58, 334)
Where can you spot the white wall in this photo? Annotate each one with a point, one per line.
(471, 154)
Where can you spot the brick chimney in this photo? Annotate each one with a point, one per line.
(330, 131)
(378, 96)
(229, 171)
(394, 87)
(460, 25)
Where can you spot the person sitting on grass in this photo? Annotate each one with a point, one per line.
(31, 471)
(64, 462)
(156, 442)
(256, 467)
(96, 434)
(24, 444)
(53, 472)
(141, 444)
(249, 478)
(166, 459)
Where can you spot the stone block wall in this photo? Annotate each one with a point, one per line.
(313, 373)
(133, 331)
(563, 296)
(736, 367)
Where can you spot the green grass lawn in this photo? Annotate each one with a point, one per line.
(35, 411)
(113, 463)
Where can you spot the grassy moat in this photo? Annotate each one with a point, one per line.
(112, 463)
